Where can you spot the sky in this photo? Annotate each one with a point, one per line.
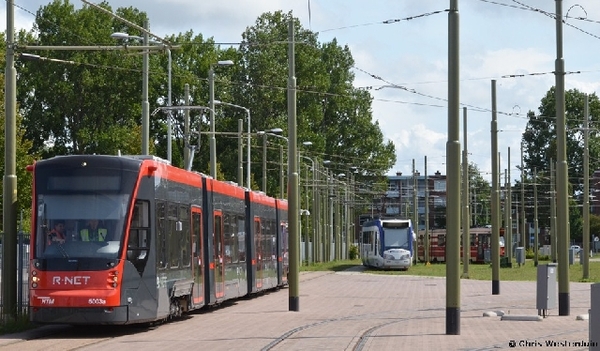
(513, 42)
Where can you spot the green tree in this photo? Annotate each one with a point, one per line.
(190, 64)
(90, 105)
(594, 226)
(90, 102)
(539, 138)
(23, 155)
(333, 115)
(480, 190)
(539, 141)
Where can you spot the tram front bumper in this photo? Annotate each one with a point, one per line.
(396, 264)
(79, 315)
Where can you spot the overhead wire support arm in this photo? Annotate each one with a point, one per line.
(129, 23)
(94, 48)
(168, 108)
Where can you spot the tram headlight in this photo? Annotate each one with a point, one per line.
(388, 257)
(34, 280)
(113, 279)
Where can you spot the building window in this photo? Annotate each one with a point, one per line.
(439, 185)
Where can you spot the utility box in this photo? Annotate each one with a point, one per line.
(520, 255)
(595, 318)
(571, 256)
(547, 288)
(545, 250)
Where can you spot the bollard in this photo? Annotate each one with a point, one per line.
(594, 318)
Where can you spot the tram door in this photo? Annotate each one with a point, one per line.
(483, 244)
(259, 254)
(197, 256)
(218, 254)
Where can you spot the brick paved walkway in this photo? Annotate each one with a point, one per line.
(358, 311)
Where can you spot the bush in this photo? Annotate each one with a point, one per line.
(529, 254)
(21, 323)
(353, 253)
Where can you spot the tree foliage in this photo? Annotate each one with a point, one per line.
(333, 115)
(539, 138)
(24, 157)
(594, 226)
(480, 196)
(540, 149)
(83, 102)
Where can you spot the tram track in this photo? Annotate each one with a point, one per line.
(358, 345)
(357, 322)
(360, 341)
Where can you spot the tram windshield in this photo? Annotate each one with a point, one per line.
(397, 236)
(397, 239)
(80, 225)
(81, 206)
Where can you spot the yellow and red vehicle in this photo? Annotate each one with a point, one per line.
(480, 242)
(175, 241)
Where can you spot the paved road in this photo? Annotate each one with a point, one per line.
(346, 311)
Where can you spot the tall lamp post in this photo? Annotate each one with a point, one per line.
(217, 102)
(275, 133)
(186, 108)
(146, 122)
(9, 193)
(306, 247)
(211, 92)
(145, 73)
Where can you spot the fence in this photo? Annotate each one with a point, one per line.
(22, 272)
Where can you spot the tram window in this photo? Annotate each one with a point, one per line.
(257, 238)
(137, 247)
(229, 238)
(184, 234)
(241, 239)
(173, 236)
(139, 240)
(365, 238)
(218, 239)
(196, 234)
(141, 214)
(268, 241)
(264, 242)
(161, 235)
(441, 240)
(274, 241)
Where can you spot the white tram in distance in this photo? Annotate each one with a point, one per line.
(387, 243)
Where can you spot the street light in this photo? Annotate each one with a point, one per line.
(340, 222)
(187, 166)
(217, 102)
(314, 171)
(211, 92)
(272, 132)
(145, 104)
(276, 132)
